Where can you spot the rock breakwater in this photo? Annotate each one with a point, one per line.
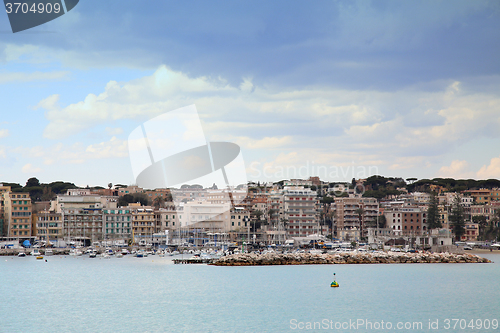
(253, 259)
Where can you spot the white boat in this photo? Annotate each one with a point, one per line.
(125, 252)
(75, 252)
(36, 253)
(92, 254)
(49, 252)
(21, 254)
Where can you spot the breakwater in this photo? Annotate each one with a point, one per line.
(252, 259)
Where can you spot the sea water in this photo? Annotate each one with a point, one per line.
(81, 294)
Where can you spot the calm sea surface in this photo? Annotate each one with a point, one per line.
(68, 294)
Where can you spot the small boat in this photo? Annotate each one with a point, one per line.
(75, 252)
(92, 254)
(49, 252)
(36, 252)
(21, 254)
(39, 258)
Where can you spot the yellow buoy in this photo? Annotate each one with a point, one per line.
(334, 284)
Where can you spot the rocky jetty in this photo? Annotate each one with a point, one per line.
(253, 259)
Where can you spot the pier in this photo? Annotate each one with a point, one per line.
(193, 261)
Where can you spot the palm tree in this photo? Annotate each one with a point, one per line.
(158, 202)
(360, 211)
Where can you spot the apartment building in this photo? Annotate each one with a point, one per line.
(413, 221)
(300, 211)
(82, 215)
(48, 225)
(17, 214)
(484, 196)
(117, 223)
(143, 219)
(355, 213)
(3, 221)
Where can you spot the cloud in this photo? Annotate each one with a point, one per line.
(490, 171)
(29, 168)
(35, 76)
(365, 126)
(4, 133)
(265, 143)
(457, 169)
(76, 153)
(114, 131)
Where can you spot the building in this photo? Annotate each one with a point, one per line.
(117, 223)
(471, 232)
(300, 211)
(48, 225)
(129, 190)
(17, 214)
(82, 215)
(413, 221)
(484, 196)
(356, 214)
(143, 220)
(3, 222)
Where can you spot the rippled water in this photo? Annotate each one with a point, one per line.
(153, 295)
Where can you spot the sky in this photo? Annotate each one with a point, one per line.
(336, 89)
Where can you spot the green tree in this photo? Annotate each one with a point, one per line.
(32, 182)
(457, 219)
(360, 211)
(382, 221)
(433, 218)
(158, 202)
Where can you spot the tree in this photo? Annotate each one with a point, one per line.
(158, 202)
(382, 221)
(433, 218)
(32, 182)
(360, 211)
(457, 218)
(110, 185)
(48, 194)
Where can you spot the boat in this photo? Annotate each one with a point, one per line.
(49, 252)
(75, 252)
(36, 252)
(125, 252)
(92, 254)
(21, 254)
